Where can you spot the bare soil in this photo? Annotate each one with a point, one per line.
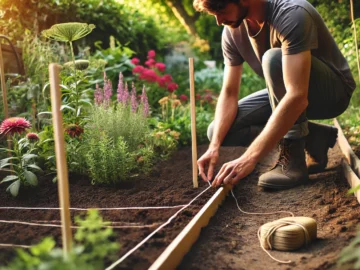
(228, 242)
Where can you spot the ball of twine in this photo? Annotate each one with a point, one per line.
(288, 233)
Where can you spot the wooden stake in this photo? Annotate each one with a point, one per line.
(3, 85)
(61, 165)
(5, 101)
(193, 123)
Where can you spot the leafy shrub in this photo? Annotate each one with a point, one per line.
(92, 245)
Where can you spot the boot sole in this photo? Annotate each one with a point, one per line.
(282, 187)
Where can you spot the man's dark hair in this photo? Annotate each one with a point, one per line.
(212, 5)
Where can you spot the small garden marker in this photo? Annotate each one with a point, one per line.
(61, 165)
(193, 123)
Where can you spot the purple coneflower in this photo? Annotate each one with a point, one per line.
(14, 125)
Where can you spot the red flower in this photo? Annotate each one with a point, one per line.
(172, 87)
(32, 137)
(160, 66)
(149, 75)
(150, 63)
(74, 130)
(135, 61)
(183, 97)
(14, 125)
(138, 69)
(197, 96)
(151, 54)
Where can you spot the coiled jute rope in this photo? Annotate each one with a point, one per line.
(284, 234)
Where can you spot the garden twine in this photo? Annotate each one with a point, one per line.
(284, 234)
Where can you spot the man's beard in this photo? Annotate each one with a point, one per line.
(242, 17)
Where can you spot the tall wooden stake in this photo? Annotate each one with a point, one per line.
(61, 165)
(193, 123)
(3, 85)
(355, 36)
(4, 95)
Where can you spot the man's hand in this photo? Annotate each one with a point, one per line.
(235, 170)
(209, 160)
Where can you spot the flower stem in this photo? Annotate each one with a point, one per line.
(76, 90)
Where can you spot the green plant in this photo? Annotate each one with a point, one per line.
(91, 246)
(22, 155)
(69, 32)
(349, 257)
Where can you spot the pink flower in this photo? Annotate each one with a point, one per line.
(160, 66)
(135, 61)
(138, 69)
(151, 54)
(120, 89)
(172, 87)
(149, 75)
(164, 80)
(150, 63)
(183, 97)
(13, 125)
(32, 137)
(145, 102)
(134, 103)
(99, 95)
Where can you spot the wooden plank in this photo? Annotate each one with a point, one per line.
(3, 84)
(193, 123)
(175, 252)
(61, 165)
(345, 147)
(351, 177)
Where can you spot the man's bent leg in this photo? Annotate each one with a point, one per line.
(290, 169)
(253, 112)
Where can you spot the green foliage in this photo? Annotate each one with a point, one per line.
(114, 145)
(93, 244)
(350, 256)
(109, 161)
(117, 58)
(21, 164)
(178, 120)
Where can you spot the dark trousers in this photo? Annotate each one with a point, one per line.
(328, 97)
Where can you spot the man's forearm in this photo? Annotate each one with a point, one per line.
(226, 110)
(282, 119)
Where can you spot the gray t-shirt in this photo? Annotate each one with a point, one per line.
(292, 25)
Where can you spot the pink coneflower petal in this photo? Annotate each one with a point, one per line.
(13, 125)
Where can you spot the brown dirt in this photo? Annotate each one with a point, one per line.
(229, 241)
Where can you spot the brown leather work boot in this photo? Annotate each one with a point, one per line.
(290, 170)
(317, 143)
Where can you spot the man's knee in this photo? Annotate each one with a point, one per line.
(272, 60)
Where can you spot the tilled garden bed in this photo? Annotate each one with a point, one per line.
(169, 184)
(228, 242)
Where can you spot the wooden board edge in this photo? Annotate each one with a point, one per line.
(174, 253)
(345, 147)
(352, 178)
